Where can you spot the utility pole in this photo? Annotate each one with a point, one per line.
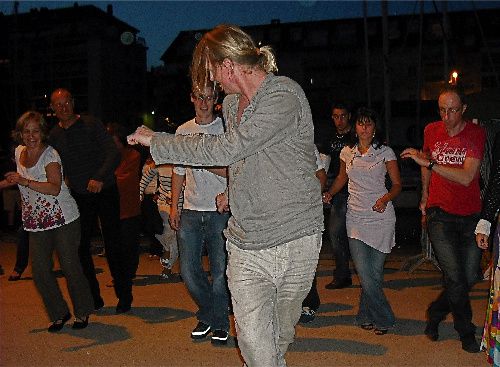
(419, 72)
(387, 80)
(367, 55)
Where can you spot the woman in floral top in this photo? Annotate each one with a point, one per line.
(51, 217)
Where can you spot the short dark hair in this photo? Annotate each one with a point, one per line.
(23, 120)
(339, 105)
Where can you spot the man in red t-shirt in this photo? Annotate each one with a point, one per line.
(452, 153)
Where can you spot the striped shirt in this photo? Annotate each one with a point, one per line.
(164, 175)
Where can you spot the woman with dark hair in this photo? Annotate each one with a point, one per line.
(491, 204)
(50, 215)
(370, 218)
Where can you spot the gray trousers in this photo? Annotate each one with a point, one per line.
(267, 289)
(65, 240)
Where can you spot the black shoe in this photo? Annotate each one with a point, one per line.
(80, 323)
(123, 307)
(307, 315)
(339, 284)
(200, 331)
(470, 344)
(432, 330)
(219, 337)
(58, 324)
(98, 304)
(14, 276)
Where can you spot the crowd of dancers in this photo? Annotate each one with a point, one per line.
(248, 189)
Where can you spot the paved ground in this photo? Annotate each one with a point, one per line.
(156, 331)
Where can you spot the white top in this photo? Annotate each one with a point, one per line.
(366, 185)
(41, 212)
(202, 186)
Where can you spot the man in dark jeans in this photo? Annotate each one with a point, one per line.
(449, 161)
(338, 209)
(89, 158)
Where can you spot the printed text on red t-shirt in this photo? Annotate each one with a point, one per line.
(444, 154)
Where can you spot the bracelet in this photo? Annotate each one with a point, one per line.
(431, 164)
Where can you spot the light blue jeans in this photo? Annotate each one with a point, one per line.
(168, 240)
(267, 288)
(373, 305)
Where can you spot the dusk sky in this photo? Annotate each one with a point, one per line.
(160, 22)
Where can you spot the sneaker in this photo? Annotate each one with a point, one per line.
(164, 262)
(165, 274)
(219, 337)
(200, 331)
(307, 315)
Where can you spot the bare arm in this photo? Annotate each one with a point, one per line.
(425, 178)
(393, 171)
(338, 184)
(5, 183)
(51, 187)
(321, 175)
(462, 175)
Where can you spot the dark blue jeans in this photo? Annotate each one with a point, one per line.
(338, 236)
(453, 241)
(198, 228)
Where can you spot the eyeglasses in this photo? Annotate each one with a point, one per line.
(59, 105)
(365, 123)
(446, 111)
(342, 116)
(203, 97)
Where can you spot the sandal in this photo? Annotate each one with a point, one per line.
(381, 331)
(366, 326)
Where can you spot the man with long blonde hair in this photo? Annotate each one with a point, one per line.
(274, 233)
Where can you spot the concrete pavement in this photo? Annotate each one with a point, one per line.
(156, 331)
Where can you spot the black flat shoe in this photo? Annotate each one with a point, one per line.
(98, 304)
(123, 307)
(58, 324)
(432, 331)
(14, 276)
(339, 284)
(380, 331)
(80, 323)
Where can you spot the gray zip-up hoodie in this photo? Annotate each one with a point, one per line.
(274, 194)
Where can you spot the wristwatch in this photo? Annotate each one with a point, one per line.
(431, 164)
